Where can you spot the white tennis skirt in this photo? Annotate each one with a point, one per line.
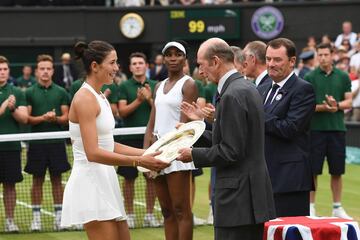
(92, 193)
(177, 166)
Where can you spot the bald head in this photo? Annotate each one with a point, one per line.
(215, 58)
(216, 47)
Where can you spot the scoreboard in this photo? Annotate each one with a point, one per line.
(203, 24)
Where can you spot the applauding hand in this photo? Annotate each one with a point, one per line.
(192, 111)
(209, 112)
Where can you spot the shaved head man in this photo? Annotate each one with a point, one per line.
(235, 152)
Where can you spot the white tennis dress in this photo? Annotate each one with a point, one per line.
(168, 115)
(92, 191)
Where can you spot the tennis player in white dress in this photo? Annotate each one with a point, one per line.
(173, 183)
(92, 195)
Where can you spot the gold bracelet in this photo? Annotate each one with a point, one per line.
(138, 162)
(134, 163)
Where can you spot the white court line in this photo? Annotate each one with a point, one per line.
(144, 205)
(24, 204)
(135, 202)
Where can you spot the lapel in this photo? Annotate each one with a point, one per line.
(226, 85)
(264, 79)
(228, 81)
(281, 93)
(266, 87)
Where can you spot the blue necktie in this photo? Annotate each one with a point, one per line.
(271, 96)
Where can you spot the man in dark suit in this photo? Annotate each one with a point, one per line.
(65, 74)
(243, 196)
(255, 63)
(159, 72)
(289, 104)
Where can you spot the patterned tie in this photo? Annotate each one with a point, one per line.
(271, 96)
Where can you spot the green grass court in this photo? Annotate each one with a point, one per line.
(351, 202)
(351, 199)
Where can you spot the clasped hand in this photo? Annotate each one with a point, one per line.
(330, 104)
(150, 161)
(144, 93)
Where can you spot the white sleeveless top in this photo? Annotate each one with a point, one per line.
(92, 191)
(167, 115)
(105, 125)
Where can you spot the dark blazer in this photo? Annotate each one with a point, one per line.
(59, 74)
(162, 74)
(265, 80)
(304, 71)
(243, 192)
(287, 143)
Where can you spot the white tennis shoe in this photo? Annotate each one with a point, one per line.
(131, 220)
(10, 226)
(150, 221)
(340, 213)
(198, 221)
(35, 225)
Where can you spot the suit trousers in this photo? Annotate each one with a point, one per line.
(245, 232)
(292, 204)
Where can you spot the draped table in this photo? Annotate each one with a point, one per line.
(311, 228)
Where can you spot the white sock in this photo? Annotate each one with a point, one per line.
(36, 211)
(336, 205)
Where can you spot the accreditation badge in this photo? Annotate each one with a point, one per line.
(278, 97)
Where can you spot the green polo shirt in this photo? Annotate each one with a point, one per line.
(43, 100)
(22, 83)
(201, 89)
(336, 84)
(210, 90)
(112, 98)
(75, 86)
(114, 95)
(8, 124)
(140, 117)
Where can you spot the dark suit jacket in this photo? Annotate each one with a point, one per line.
(162, 75)
(59, 74)
(243, 192)
(304, 71)
(287, 143)
(265, 80)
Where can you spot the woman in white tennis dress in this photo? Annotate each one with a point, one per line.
(173, 183)
(92, 194)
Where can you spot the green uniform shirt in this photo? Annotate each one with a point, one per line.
(112, 98)
(114, 95)
(201, 89)
(22, 83)
(336, 84)
(210, 91)
(43, 100)
(140, 117)
(8, 124)
(75, 86)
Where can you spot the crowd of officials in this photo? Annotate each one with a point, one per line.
(306, 101)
